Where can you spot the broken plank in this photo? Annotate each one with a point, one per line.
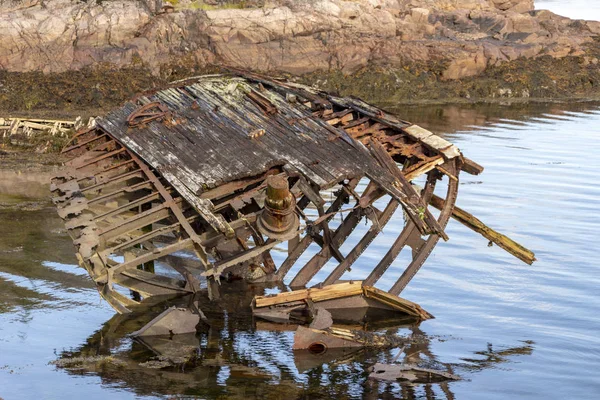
(315, 294)
(470, 166)
(398, 303)
(473, 223)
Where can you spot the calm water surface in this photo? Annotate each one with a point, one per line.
(510, 330)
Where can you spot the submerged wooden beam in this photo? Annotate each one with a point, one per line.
(471, 222)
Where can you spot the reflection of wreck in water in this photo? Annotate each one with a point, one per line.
(238, 356)
(208, 176)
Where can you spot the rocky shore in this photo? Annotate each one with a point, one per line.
(69, 54)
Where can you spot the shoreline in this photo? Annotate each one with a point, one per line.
(397, 52)
(95, 91)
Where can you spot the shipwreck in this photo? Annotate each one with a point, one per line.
(202, 180)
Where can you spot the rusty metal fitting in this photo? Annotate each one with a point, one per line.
(278, 219)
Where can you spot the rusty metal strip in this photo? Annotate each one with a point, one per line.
(446, 212)
(147, 113)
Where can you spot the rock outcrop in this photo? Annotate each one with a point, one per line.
(461, 38)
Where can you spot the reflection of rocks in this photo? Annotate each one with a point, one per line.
(448, 119)
(467, 36)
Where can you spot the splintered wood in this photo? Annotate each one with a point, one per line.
(207, 177)
(476, 225)
(340, 291)
(316, 295)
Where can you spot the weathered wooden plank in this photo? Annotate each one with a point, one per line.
(172, 284)
(121, 191)
(148, 284)
(141, 220)
(83, 143)
(100, 158)
(336, 291)
(414, 207)
(126, 207)
(398, 303)
(471, 167)
(473, 223)
(301, 247)
(150, 256)
(217, 268)
(320, 259)
(422, 168)
(141, 239)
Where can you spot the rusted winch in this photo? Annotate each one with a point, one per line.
(278, 219)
